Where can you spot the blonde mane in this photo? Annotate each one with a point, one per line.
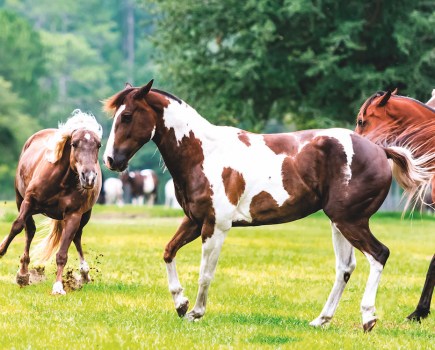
(78, 120)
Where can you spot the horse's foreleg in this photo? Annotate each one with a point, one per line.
(423, 307)
(17, 226)
(72, 223)
(345, 264)
(23, 276)
(211, 248)
(187, 232)
(84, 267)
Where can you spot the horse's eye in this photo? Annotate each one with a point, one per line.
(361, 122)
(74, 144)
(99, 145)
(126, 118)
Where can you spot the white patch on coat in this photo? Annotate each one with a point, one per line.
(87, 136)
(108, 152)
(343, 136)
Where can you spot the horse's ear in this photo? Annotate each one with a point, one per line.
(127, 86)
(143, 91)
(385, 99)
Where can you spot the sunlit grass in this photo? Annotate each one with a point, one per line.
(270, 283)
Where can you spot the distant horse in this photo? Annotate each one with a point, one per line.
(227, 177)
(142, 184)
(387, 117)
(114, 193)
(431, 102)
(58, 175)
(170, 197)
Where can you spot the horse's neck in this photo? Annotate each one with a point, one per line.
(409, 112)
(183, 133)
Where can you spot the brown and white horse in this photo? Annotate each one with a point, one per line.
(142, 185)
(58, 175)
(387, 117)
(227, 177)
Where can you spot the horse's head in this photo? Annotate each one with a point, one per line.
(82, 134)
(372, 114)
(134, 124)
(84, 156)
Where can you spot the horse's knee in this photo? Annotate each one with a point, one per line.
(61, 259)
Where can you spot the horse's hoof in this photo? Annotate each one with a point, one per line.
(193, 316)
(369, 325)
(182, 308)
(58, 289)
(23, 280)
(418, 315)
(320, 321)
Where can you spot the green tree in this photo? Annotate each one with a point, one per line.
(245, 62)
(15, 128)
(22, 60)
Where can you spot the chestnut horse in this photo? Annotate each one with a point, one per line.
(58, 175)
(226, 177)
(387, 117)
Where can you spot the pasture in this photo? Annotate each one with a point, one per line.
(271, 281)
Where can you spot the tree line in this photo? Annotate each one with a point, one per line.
(264, 65)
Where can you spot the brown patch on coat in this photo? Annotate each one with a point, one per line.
(234, 184)
(281, 143)
(244, 137)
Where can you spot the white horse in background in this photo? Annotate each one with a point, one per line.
(114, 191)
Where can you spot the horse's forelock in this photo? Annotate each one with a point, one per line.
(78, 120)
(116, 100)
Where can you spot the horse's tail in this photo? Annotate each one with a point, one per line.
(45, 248)
(412, 173)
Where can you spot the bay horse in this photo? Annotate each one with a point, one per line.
(388, 117)
(143, 185)
(226, 177)
(58, 175)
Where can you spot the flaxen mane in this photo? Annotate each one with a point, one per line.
(78, 120)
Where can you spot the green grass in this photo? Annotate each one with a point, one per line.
(270, 283)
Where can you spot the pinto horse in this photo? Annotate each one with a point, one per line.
(58, 175)
(227, 177)
(387, 117)
(143, 185)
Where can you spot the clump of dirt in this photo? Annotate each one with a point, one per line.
(37, 274)
(72, 281)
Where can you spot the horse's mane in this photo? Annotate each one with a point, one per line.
(78, 120)
(117, 100)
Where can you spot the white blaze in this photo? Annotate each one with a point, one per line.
(108, 152)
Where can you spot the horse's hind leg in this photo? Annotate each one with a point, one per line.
(423, 307)
(17, 226)
(345, 264)
(84, 267)
(360, 236)
(23, 275)
(187, 232)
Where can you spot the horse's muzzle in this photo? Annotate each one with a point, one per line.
(115, 165)
(88, 179)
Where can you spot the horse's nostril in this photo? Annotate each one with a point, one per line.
(83, 175)
(110, 160)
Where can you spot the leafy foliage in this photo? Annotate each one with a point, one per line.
(248, 61)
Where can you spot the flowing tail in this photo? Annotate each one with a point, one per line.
(45, 248)
(413, 174)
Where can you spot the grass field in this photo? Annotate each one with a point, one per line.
(270, 283)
